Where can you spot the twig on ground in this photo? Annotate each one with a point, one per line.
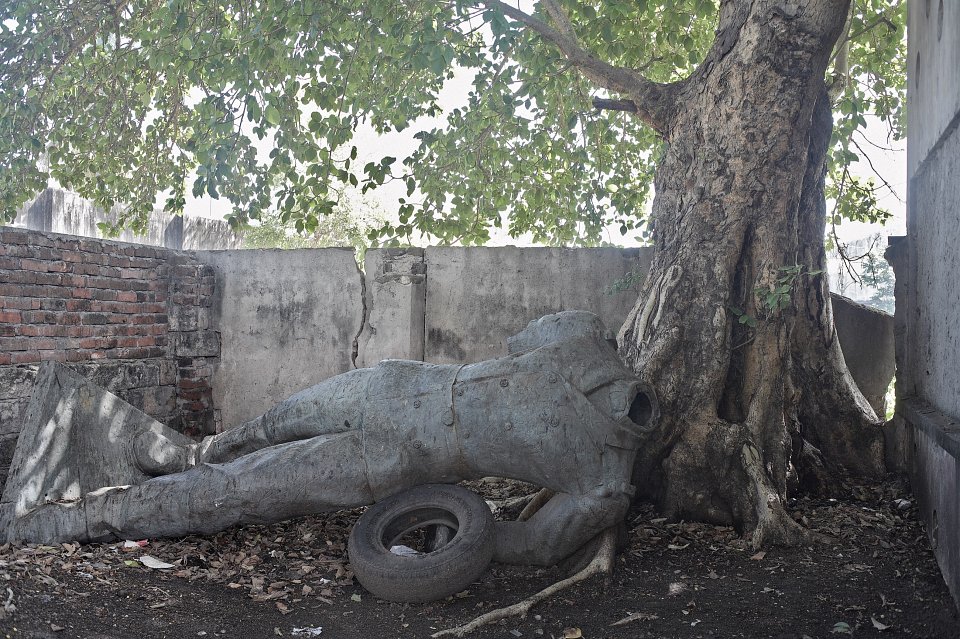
(602, 563)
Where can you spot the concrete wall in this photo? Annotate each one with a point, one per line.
(477, 297)
(290, 319)
(928, 289)
(61, 211)
(286, 319)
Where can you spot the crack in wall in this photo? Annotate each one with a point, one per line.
(364, 317)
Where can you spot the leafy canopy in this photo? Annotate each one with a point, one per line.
(122, 101)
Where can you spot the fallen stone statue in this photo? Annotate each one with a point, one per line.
(560, 411)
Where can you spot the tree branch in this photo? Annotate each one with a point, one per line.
(654, 103)
(615, 105)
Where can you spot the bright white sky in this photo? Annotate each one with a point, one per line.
(372, 147)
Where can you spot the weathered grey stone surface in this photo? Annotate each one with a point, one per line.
(871, 361)
(560, 411)
(76, 438)
(477, 296)
(16, 381)
(287, 319)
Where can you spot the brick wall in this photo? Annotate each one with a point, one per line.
(132, 318)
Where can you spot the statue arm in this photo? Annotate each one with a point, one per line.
(556, 531)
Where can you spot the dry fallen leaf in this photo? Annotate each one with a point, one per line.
(153, 562)
(879, 626)
(760, 555)
(635, 616)
(572, 633)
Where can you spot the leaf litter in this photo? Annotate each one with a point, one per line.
(671, 568)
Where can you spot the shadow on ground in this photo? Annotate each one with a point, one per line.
(876, 577)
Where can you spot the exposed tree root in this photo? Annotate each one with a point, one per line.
(602, 563)
(774, 525)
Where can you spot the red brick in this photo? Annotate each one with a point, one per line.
(16, 250)
(23, 303)
(13, 290)
(43, 344)
(5, 358)
(35, 290)
(81, 293)
(57, 356)
(48, 279)
(15, 343)
(90, 246)
(126, 296)
(103, 294)
(42, 330)
(138, 285)
(9, 262)
(147, 251)
(79, 305)
(25, 357)
(94, 318)
(11, 317)
(71, 319)
(71, 256)
(53, 305)
(39, 317)
(192, 383)
(18, 277)
(16, 236)
(9, 330)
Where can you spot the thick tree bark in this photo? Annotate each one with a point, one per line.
(746, 387)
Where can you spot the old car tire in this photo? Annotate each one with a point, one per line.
(424, 576)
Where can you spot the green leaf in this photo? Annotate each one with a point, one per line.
(272, 115)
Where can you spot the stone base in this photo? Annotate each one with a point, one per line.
(76, 438)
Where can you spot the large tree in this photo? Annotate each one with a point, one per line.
(576, 110)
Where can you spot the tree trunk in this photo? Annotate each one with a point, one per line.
(751, 380)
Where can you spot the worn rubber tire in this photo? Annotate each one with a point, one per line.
(429, 576)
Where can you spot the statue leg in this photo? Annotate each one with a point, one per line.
(560, 528)
(332, 406)
(320, 474)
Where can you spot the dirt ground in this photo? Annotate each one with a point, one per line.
(875, 577)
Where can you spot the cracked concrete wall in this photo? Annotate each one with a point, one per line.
(287, 320)
(394, 306)
(290, 319)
